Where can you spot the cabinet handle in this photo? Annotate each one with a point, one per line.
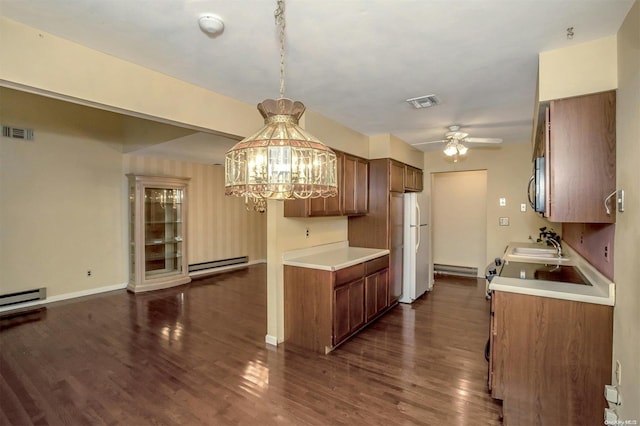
(606, 202)
(529, 192)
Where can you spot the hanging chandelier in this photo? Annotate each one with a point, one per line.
(281, 161)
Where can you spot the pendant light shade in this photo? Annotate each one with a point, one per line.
(281, 161)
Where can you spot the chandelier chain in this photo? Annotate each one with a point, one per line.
(281, 22)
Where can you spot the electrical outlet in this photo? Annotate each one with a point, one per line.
(606, 252)
(621, 200)
(503, 221)
(523, 207)
(618, 373)
(89, 273)
(307, 233)
(502, 202)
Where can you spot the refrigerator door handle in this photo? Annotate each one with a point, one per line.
(418, 227)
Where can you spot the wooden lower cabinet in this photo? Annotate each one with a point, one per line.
(325, 308)
(550, 359)
(348, 316)
(377, 293)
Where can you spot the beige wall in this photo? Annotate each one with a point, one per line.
(61, 198)
(390, 146)
(91, 77)
(63, 208)
(219, 226)
(578, 70)
(626, 329)
(508, 171)
(459, 219)
(335, 135)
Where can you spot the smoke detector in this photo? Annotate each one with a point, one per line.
(211, 24)
(424, 101)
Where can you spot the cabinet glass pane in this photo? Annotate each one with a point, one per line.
(163, 231)
(132, 230)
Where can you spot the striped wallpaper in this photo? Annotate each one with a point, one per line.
(219, 226)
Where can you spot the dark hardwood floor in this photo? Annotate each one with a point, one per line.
(195, 355)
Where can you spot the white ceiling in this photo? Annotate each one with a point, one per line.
(355, 61)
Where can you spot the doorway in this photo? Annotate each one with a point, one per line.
(459, 218)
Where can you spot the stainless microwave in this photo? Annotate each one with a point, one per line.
(537, 182)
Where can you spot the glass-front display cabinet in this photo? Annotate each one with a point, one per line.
(157, 232)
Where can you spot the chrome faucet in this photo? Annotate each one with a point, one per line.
(556, 244)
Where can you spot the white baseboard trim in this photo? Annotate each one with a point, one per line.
(225, 268)
(65, 296)
(271, 340)
(122, 286)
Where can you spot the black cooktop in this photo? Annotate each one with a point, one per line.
(542, 271)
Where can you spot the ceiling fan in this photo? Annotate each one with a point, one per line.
(455, 139)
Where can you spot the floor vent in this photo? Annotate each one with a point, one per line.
(17, 133)
(219, 263)
(463, 271)
(23, 296)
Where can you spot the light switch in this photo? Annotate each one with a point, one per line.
(611, 394)
(503, 221)
(503, 202)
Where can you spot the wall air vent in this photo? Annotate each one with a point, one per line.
(424, 101)
(17, 133)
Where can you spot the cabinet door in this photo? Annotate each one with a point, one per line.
(382, 288)
(419, 180)
(376, 293)
(582, 157)
(340, 314)
(396, 176)
(330, 206)
(356, 305)
(492, 343)
(413, 179)
(348, 310)
(371, 296)
(356, 185)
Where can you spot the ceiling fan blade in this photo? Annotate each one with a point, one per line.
(483, 140)
(430, 142)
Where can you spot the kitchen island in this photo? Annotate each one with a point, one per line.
(550, 341)
(333, 291)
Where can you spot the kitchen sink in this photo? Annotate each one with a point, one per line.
(536, 254)
(534, 251)
(545, 272)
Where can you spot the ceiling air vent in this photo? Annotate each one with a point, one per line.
(424, 101)
(17, 133)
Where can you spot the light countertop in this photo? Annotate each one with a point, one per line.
(331, 257)
(601, 291)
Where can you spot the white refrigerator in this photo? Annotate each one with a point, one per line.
(417, 275)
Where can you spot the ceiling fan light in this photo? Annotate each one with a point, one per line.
(462, 150)
(450, 149)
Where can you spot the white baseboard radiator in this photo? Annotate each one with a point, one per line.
(23, 296)
(215, 264)
(462, 271)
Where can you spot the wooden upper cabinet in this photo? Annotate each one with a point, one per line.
(580, 152)
(413, 179)
(353, 192)
(396, 176)
(356, 185)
